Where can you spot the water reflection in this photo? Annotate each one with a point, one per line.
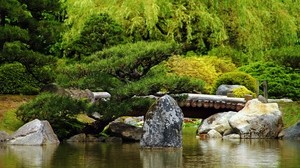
(243, 153)
(167, 158)
(195, 153)
(33, 156)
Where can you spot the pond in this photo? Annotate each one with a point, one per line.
(195, 153)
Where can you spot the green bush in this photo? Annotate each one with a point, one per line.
(282, 82)
(236, 78)
(287, 56)
(206, 68)
(60, 111)
(14, 79)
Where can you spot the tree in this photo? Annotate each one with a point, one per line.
(251, 27)
(100, 31)
(127, 71)
(28, 31)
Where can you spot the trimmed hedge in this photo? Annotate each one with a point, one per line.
(236, 78)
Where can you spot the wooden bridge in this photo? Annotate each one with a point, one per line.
(203, 106)
(198, 105)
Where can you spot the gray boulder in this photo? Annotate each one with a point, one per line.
(163, 124)
(224, 89)
(292, 132)
(125, 131)
(258, 120)
(35, 132)
(218, 122)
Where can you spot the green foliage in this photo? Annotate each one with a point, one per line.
(80, 76)
(36, 64)
(236, 78)
(99, 31)
(14, 79)
(60, 111)
(28, 31)
(242, 91)
(249, 27)
(168, 83)
(238, 57)
(287, 56)
(131, 61)
(206, 68)
(282, 82)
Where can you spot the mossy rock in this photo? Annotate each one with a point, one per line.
(242, 92)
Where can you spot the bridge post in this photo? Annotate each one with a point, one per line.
(265, 85)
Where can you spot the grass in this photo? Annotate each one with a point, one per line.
(9, 122)
(290, 113)
(8, 106)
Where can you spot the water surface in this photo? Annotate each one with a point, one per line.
(195, 153)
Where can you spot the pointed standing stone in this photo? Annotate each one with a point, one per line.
(163, 124)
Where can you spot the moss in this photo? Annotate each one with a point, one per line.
(242, 91)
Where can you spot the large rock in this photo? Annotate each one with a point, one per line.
(292, 132)
(258, 120)
(218, 122)
(35, 132)
(224, 89)
(125, 131)
(163, 124)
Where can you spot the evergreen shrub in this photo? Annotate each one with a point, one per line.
(282, 82)
(14, 79)
(236, 78)
(60, 111)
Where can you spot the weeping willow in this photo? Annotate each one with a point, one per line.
(249, 26)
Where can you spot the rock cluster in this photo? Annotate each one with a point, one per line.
(255, 120)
